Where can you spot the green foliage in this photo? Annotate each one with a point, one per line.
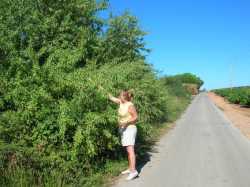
(175, 86)
(124, 40)
(175, 83)
(184, 78)
(55, 122)
(237, 95)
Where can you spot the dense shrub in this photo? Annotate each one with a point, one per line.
(186, 78)
(182, 85)
(55, 121)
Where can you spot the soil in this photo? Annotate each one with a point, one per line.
(237, 114)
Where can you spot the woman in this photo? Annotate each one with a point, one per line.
(127, 124)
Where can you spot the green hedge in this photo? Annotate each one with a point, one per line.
(56, 125)
(184, 78)
(239, 95)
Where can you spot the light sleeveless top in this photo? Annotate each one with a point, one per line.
(123, 112)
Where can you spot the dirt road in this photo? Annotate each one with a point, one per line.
(240, 116)
(203, 150)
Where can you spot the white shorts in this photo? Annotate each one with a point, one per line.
(128, 135)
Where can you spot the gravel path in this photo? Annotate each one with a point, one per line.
(203, 150)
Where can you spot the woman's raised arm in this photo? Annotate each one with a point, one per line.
(114, 99)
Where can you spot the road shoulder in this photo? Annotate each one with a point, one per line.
(239, 116)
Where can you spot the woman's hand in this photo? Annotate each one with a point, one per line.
(114, 99)
(100, 87)
(123, 124)
(110, 95)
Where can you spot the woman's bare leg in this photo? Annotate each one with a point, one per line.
(129, 163)
(131, 157)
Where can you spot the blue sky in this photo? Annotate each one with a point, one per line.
(210, 38)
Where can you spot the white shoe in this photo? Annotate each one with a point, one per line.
(127, 171)
(132, 175)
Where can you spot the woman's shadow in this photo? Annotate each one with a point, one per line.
(145, 154)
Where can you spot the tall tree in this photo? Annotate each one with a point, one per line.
(123, 40)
